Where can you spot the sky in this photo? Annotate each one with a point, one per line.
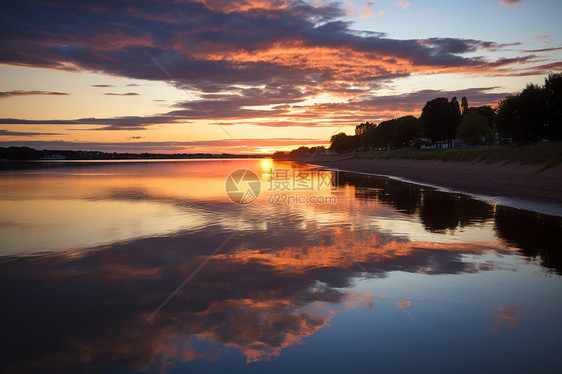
(254, 76)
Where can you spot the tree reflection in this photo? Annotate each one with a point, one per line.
(538, 236)
(405, 197)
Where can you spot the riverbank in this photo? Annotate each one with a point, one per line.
(524, 186)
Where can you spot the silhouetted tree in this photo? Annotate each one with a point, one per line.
(407, 129)
(362, 128)
(464, 106)
(342, 142)
(553, 102)
(317, 150)
(521, 117)
(384, 132)
(474, 129)
(300, 152)
(487, 112)
(361, 131)
(440, 119)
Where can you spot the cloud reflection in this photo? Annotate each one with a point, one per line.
(281, 279)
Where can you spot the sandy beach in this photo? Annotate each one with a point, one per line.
(525, 186)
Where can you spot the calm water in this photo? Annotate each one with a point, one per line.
(149, 267)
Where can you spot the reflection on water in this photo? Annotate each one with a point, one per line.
(394, 277)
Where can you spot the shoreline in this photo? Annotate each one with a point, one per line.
(525, 187)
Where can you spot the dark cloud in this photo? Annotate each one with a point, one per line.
(542, 50)
(6, 94)
(122, 94)
(205, 45)
(23, 133)
(235, 106)
(246, 59)
(116, 123)
(389, 106)
(534, 70)
(102, 85)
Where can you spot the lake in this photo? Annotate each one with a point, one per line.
(190, 266)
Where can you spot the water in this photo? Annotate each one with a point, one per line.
(150, 267)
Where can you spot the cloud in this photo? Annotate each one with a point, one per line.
(209, 146)
(219, 43)
(542, 50)
(6, 94)
(102, 85)
(284, 109)
(404, 4)
(533, 70)
(135, 137)
(511, 3)
(368, 11)
(252, 61)
(24, 133)
(382, 107)
(116, 123)
(122, 94)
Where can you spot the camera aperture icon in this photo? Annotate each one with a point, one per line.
(243, 186)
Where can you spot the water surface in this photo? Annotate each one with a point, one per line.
(150, 267)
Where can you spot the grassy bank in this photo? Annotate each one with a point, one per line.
(545, 154)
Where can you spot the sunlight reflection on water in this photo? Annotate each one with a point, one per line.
(88, 252)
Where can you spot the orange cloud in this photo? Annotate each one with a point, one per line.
(403, 4)
(510, 3)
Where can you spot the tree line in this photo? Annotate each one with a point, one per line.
(532, 115)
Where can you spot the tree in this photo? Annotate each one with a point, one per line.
(474, 129)
(487, 112)
(362, 128)
(361, 131)
(507, 118)
(553, 101)
(343, 143)
(455, 118)
(300, 152)
(521, 117)
(407, 129)
(440, 119)
(464, 106)
(384, 133)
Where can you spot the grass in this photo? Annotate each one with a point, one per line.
(545, 154)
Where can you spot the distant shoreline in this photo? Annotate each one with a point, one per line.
(16, 154)
(527, 187)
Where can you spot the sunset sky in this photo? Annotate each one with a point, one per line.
(191, 76)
